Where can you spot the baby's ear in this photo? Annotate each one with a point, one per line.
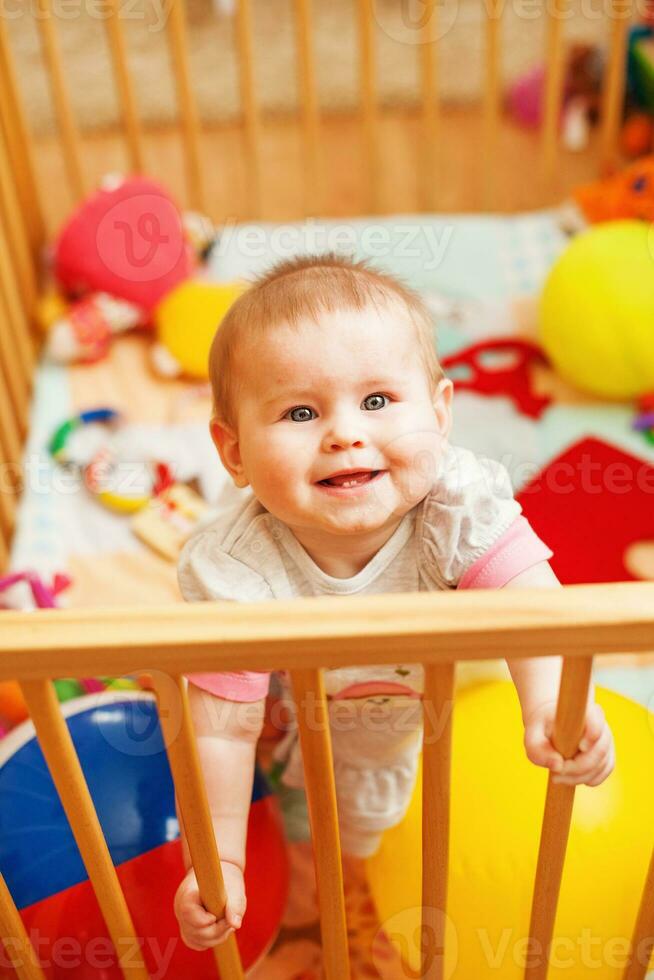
(226, 442)
(443, 406)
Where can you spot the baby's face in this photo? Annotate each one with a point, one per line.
(350, 394)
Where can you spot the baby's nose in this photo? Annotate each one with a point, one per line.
(343, 435)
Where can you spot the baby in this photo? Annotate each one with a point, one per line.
(330, 404)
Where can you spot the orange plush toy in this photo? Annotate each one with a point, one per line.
(628, 194)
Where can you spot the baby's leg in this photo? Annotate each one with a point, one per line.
(376, 743)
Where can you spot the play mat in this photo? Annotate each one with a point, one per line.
(481, 276)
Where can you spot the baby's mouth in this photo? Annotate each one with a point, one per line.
(350, 479)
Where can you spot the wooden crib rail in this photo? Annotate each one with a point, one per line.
(430, 627)
(304, 635)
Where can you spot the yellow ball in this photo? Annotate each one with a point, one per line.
(497, 805)
(187, 319)
(597, 310)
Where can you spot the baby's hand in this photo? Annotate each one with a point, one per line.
(596, 756)
(198, 927)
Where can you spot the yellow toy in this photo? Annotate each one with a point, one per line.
(186, 321)
(497, 805)
(597, 311)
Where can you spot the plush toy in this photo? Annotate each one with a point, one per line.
(628, 194)
(581, 94)
(186, 322)
(597, 311)
(122, 253)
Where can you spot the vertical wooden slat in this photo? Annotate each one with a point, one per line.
(66, 120)
(436, 765)
(181, 746)
(4, 550)
(614, 82)
(642, 943)
(133, 134)
(316, 746)
(10, 434)
(16, 231)
(17, 327)
(568, 730)
(492, 102)
(178, 42)
(15, 381)
(368, 96)
(309, 101)
(61, 758)
(430, 107)
(12, 119)
(7, 492)
(20, 951)
(250, 107)
(555, 66)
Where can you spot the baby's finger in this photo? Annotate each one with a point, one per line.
(595, 725)
(585, 762)
(589, 775)
(196, 916)
(209, 935)
(605, 770)
(540, 750)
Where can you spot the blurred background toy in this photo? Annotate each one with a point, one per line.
(644, 420)
(626, 194)
(597, 311)
(122, 253)
(584, 72)
(186, 321)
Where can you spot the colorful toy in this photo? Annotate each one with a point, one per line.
(494, 839)
(627, 194)
(581, 93)
(592, 504)
(169, 519)
(124, 251)
(186, 321)
(644, 421)
(121, 750)
(597, 311)
(500, 367)
(58, 447)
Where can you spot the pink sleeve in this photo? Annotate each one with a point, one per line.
(241, 685)
(516, 550)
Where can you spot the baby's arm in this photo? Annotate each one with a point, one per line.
(537, 682)
(227, 733)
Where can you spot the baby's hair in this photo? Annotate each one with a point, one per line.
(303, 288)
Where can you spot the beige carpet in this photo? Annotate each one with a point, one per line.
(81, 31)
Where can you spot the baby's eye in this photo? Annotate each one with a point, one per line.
(375, 402)
(295, 416)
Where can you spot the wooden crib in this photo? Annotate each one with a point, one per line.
(436, 629)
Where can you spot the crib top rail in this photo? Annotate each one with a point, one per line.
(428, 627)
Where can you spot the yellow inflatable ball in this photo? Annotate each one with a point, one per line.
(497, 804)
(186, 321)
(597, 310)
